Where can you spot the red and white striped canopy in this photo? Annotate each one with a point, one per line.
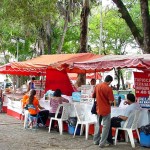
(109, 62)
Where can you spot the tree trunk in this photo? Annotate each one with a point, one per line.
(41, 40)
(117, 73)
(48, 35)
(146, 24)
(41, 47)
(122, 80)
(84, 34)
(5, 58)
(66, 13)
(126, 16)
(63, 35)
(81, 80)
(84, 27)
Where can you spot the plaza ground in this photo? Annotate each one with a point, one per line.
(14, 137)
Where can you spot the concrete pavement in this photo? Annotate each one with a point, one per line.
(14, 137)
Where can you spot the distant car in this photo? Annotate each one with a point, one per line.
(8, 84)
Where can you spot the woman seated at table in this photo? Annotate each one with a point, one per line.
(37, 110)
(54, 103)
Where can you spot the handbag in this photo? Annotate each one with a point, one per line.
(93, 110)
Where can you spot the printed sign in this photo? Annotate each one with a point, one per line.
(144, 102)
(142, 84)
(142, 88)
(86, 93)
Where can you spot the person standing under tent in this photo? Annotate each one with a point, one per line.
(31, 84)
(93, 81)
(104, 98)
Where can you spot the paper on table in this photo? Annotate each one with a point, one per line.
(67, 97)
(122, 105)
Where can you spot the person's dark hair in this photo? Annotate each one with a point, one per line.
(93, 81)
(57, 93)
(33, 78)
(131, 97)
(108, 78)
(31, 97)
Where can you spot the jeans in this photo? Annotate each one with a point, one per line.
(43, 116)
(101, 140)
(115, 122)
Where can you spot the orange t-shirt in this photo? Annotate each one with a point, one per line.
(33, 110)
(24, 100)
(104, 94)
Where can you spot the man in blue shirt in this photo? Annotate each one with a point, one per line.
(31, 84)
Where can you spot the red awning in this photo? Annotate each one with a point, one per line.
(57, 61)
(7, 69)
(78, 63)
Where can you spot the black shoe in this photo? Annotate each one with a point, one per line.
(96, 143)
(57, 129)
(105, 145)
(110, 142)
(121, 140)
(52, 128)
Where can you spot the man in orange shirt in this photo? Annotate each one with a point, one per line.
(104, 98)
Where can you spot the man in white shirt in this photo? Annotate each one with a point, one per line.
(132, 106)
(120, 120)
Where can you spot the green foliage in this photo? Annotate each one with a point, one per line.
(116, 34)
(25, 19)
(71, 44)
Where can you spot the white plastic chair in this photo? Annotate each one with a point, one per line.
(28, 118)
(128, 130)
(26, 114)
(83, 120)
(64, 116)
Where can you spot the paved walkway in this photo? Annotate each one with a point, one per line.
(14, 137)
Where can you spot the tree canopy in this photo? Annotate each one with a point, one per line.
(141, 35)
(55, 26)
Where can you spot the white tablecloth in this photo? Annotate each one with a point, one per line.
(85, 110)
(144, 117)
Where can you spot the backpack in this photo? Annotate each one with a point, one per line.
(31, 108)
